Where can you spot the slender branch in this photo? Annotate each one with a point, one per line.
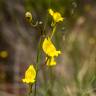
(53, 31)
(37, 63)
(30, 89)
(34, 25)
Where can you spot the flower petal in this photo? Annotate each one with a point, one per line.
(30, 75)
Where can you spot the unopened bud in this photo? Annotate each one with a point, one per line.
(28, 16)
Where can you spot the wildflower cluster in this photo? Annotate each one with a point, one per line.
(47, 46)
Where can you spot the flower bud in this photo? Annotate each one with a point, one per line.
(28, 16)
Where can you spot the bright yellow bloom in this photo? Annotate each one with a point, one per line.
(56, 15)
(49, 48)
(30, 75)
(51, 61)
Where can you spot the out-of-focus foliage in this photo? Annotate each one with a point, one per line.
(75, 73)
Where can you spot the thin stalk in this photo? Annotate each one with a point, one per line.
(35, 24)
(37, 63)
(51, 81)
(30, 89)
(46, 20)
(53, 31)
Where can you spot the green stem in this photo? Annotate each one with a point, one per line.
(37, 63)
(51, 81)
(30, 89)
(35, 24)
(53, 31)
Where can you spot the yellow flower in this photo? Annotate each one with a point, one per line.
(30, 75)
(56, 15)
(28, 16)
(51, 61)
(49, 48)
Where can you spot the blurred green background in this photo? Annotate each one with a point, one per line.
(75, 72)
